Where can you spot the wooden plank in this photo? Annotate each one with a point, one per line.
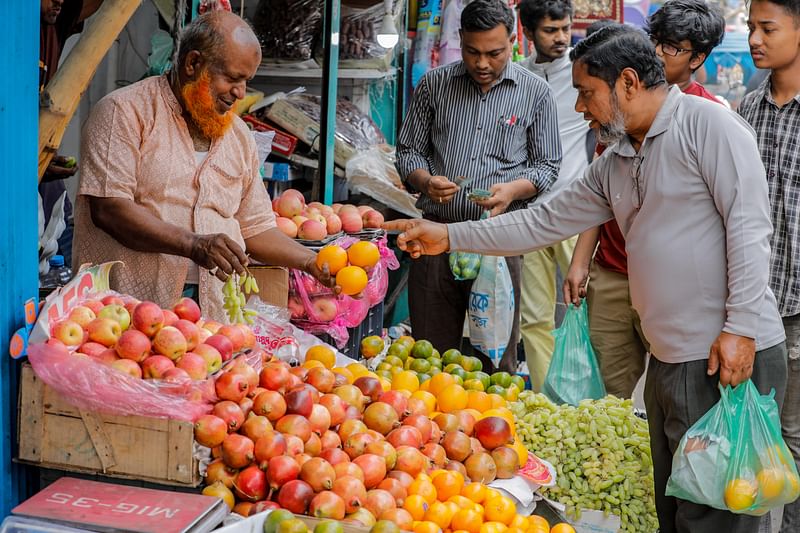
(102, 445)
(31, 416)
(63, 94)
(180, 463)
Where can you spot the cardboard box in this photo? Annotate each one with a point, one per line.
(54, 434)
(273, 284)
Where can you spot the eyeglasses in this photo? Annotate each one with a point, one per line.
(636, 172)
(669, 49)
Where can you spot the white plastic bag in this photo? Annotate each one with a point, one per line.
(491, 308)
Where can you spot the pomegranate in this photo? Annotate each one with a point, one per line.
(217, 470)
(457, 445)
(271, 444)
(281, 470)
(422, 423)
(335, 406)
(475, 446)
(370, 387)
(411, 460)
(351, 395)
(264, 505)
(302, 458)
(379, 501)
(493, 432)
(351, 427)
(374, 468)
(243, 369)
(313, 446)
(299, 371)
(246, 405)
(270, 404)
(375, 435)
(251, 484)
(466, 422)
(447, 422)
(330, 440)
(481, 468)
(396, 489)
(340, 380)
(507, 462)
(381, 417)
(349, 469)
(243, 508)
(455, 466)
(404, 478)
(295, 496)
(320, 419)
(436, 454)
(405, 436)
(417, 407)
(237, 450)
(327, 504)
(318, 473)
(385, 450)
(255, 392)
(352, 413)
(294, 445)
(216, 452)
(352, 491)
(230, 386)
(356, 444)
(210, 430)
(299, 402)
(231, 413)
(436, 434)
(335, 456)
(293, 382)
(400, 517)
(296, 425)
(222, 492)
(397, 400)
(256, 427)
(321, 379)
(273, 376)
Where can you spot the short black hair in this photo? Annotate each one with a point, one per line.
(485, 15)
(696, 21)
(791, 6)
(202, 34)
(609, 51)
(532, 12)
(598, 25)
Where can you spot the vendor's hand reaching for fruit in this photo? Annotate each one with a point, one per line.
(420, 237)
(323, 275)
(733, 355)
(219, 254)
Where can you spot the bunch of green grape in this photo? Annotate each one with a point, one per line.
(234, 292)
(601, 451)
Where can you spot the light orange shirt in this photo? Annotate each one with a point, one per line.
(136, 145)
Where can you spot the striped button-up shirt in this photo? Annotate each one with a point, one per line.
(453, 129)
(778, 131)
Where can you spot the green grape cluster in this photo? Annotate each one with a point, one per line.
(234, 292)
(601, 451)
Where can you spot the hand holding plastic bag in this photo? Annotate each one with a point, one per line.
(574, 374)
(734, 458)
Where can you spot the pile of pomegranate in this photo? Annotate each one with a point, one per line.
(307, 440)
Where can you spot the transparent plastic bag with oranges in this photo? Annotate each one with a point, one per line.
(734, 458)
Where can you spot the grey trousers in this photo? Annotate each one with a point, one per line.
(790, 414)
(676, 396)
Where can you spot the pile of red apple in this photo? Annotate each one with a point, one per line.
(307, 441)
(316, 221)
(146, 341)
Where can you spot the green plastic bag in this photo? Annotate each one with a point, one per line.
(464, 265)
(574, 374)
(734, 458)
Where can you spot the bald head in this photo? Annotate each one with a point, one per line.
(216, 38)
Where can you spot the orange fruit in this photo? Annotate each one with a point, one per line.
(493, 527)
(498, 401)
(454, 508)
(424, 477)
(563, 527)
(346, 373)
(462, 501)
(416, 506)
(352, 280)
(522, 451)
(474, 491)
(371, 346)
(426, 397)
(478, 400)
(427, 527)
(479, 509)
(515, 530)
(439, 382)
(448, 484)
(424, 488)
(771, 482)
(440, 514)
(491, 493)
(313, 363)
(406, 380)
(500, 509)
(334, 256)
(364, 254)
(323, 354)
(425, 386)
(452, 398)
(467, 520)
(386, 385)
(740, 494)
(536, 521)
(519, 522)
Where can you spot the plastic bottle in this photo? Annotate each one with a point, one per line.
(59, 274)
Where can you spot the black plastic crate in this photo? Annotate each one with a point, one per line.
(371, 325)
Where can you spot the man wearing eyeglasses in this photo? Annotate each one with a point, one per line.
(683, 179)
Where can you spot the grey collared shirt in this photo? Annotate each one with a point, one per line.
(453, 129)
(696, 224)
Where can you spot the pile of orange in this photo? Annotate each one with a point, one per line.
(349, 266)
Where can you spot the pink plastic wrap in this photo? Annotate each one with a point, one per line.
(96, 387)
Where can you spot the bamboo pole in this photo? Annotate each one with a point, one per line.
(62, 95)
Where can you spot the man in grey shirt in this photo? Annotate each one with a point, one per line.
(683, 178)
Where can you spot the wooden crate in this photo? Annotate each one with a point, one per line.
(52, 433)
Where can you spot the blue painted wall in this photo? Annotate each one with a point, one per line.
(19, 42)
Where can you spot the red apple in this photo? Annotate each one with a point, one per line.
(249, 337)
(187, 309)
(106, 357)
(133, 345)
(116, 312)
(202, 335)
(190, 332)
(177, 375)
(312, 230)
(194, 365)
(69, 332)
(235, 335)
(211, 356)
(57, 346)
(298, 221)
(223, 345)
(212, 326)
(104, 331)
(92, 349)
(127, 366)
(95, 305)
(170, 341)
(372, 219)
(351, 221)
(290, 205)
(286, 225)
(112, 300)
(325, 308)
(82, 315)
(333, 224)
(170, 318)
(148, 318)
(155, 366)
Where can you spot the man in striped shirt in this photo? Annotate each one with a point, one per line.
(487, 123)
